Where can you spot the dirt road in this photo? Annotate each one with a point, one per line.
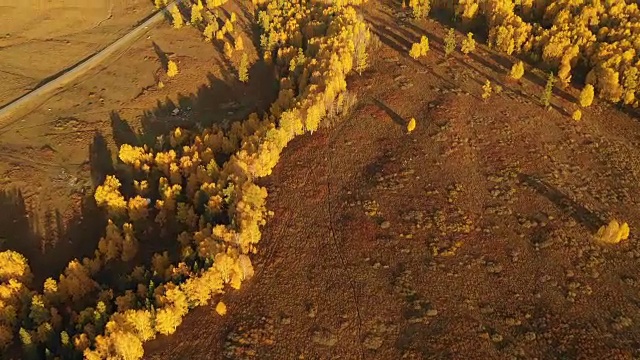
(38, 95)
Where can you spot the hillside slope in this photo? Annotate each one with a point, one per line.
(471, 237)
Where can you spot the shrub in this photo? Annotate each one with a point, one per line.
(577, 115)
(468, 44)
(172, 69)
(420, 8)
(486, 90)
(517, 71)
(586, 96)
(411, 125)
(419, 49)
(547, 93)
(613, 233)
(243, 70)
(449, 42)
(178, 21)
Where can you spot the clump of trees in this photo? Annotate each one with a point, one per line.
(420, 8)
(213, 209)
(566, 36)
(420, 49)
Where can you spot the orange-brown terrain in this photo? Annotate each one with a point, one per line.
(470, 237)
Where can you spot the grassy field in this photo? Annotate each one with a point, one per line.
(471, 236)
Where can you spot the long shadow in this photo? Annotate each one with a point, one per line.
(47, 238)
(579, 212)
(392, 114)
(444, 18)
(100, 159)
(402, 46)
(162, 56)
(122, 131)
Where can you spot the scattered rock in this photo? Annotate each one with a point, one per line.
(494, 268)
(385, 225)
(312, 310)
(324, 337)
(372, 342)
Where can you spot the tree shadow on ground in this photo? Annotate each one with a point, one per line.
(579, 212)
(392, 114)
(45, 237)
(50, 239)
(219, 101)
(163, 57)
(500, 63)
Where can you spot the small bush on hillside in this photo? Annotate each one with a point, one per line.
(243, 70)
(517, 71)
(586, 96)
(449, 42)
(613, 233)
(468, 44)
(420, 8)
(486, 90)
(178, 21)
(547, 93)
(577, 115)
(172, 69)
(420, 49)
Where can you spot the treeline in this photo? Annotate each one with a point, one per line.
(195, 187)
(597, 40)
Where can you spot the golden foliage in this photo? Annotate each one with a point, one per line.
(13, 265)
(160, 3)
(108, 196)
(212, 4)
(228, 50)
(172, 69)
(196, 13)
(76, 282)
(603, 35)
(239, 45)
(517, 71)
(420, 8)
(486, 90)
(180, 185)
(243, 70)
(176, 17)
(221, 308)
(468, 44)
(411, 125)
(577, 115)
(547, 93)
(586, 96)
(210, 30)
(419, 49)
(613, 233)
(450, 42)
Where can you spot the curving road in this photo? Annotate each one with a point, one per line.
(77, 70)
